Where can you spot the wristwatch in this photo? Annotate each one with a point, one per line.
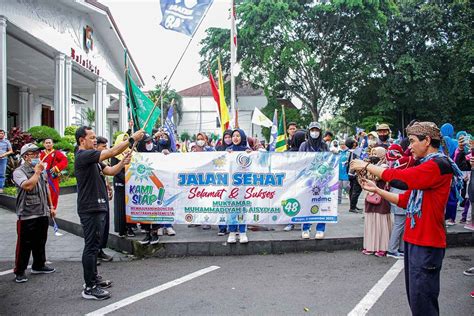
(131, 141)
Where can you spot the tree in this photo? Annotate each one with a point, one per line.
(86, 117)
(169, 95)
(302, 49)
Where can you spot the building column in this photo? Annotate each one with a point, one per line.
(123, 113)
(59, 94)
(106, 104)
(68, 113)
(34, 120)
(24, 108)
(99, 104)
(3, 73)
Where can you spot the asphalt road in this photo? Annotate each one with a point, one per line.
(291, 284)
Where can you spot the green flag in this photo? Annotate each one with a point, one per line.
(280, 145)
(141, 106)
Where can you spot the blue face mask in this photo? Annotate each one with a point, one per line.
(163, 141)
(34, 161)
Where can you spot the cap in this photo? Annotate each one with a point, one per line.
(314, 125)
(28, 148)
(147, 138)
(374, 134)
(382, 127)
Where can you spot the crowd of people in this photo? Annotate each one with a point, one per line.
(427, 171)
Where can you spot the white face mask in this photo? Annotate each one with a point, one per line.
(228, 141)
(201, 143)
(314, 134)
(372, 142)
(149, 146)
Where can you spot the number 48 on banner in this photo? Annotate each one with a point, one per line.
(291, 207)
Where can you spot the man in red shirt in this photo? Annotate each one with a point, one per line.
(428, 185)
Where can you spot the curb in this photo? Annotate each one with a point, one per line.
(218, 248)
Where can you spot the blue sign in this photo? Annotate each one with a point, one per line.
(183, 15)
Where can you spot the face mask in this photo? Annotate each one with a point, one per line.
(383, 137)
(149, 146)
(163, 141)
(372, 142)
(34, 161)
(201, 143)
(314, 134)
(228, 141)
(374, 160)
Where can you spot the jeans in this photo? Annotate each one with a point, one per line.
(32, 236)
(320, 227)
(422, 272)
(93, 227)
(233, 228)
(3, 168)
(354, 193)
(396, 241)
(451, 206)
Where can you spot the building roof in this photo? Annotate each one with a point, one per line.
(204, 90)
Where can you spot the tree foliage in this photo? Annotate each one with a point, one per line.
(168, 97)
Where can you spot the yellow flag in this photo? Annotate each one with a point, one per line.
(224, 111)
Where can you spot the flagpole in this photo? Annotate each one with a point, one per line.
(233, 58)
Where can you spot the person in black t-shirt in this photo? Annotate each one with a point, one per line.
(92, 201)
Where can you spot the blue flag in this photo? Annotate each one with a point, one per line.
(170, 128)
(183, 15)
(274, 132)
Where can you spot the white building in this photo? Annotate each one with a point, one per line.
(58, 58)
(200, 110)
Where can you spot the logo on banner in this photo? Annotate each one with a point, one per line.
(256, 217)
(240, 218)
(314, 209)
(189, 218)
(222, 219)
(88, 40)
(244, 160)
(291, 207)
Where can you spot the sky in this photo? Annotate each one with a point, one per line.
(156, 50)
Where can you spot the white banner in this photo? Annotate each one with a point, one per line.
(219, 188)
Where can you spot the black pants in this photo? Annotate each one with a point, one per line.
(105, 232)
(422, 271)
(354, 192)
(93, 227)
(32, 236)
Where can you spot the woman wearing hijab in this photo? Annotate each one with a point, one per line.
(239, 143)
(314, 143)
(226, 141)
(202, 143)
(298, 138)
(120, 222)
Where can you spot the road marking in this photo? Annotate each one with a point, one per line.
(377, 290)
(134, 298)
(9, 271)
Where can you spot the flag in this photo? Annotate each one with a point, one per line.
(183, 16)
(215, 93)
(280, 145)
(222, 104)
(274, 132)
(140, 106)
(358, 130)
(258, 118)
(170, 127)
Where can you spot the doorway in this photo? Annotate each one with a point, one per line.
(47, 116)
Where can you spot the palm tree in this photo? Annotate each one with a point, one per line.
(170, 95)
(86, 115)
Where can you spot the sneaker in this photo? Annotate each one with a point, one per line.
(101, 282)
(319, 235)
(450, 223)
(305, 234)
(358, 208)
(21, 278)
(355, 211)
(222, 232)
(170, 231)
(289, 227)
(472, 294)
(469, 226)
(469, 272)
(367, 253)
(206, 227)
(232, 239)
(95, 293)
(154, 239)
(146, 240)
(462, 221)
(130, 232)
(243, 239)
(395, 255)
(380, 254)
(104, 257)
(43, 270)
(160, 231)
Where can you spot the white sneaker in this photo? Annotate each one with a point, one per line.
(232, 239)
(243, 238)
(319, 235)
(289, 227)
(305, 234)
(160, 231)
(170, 231)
